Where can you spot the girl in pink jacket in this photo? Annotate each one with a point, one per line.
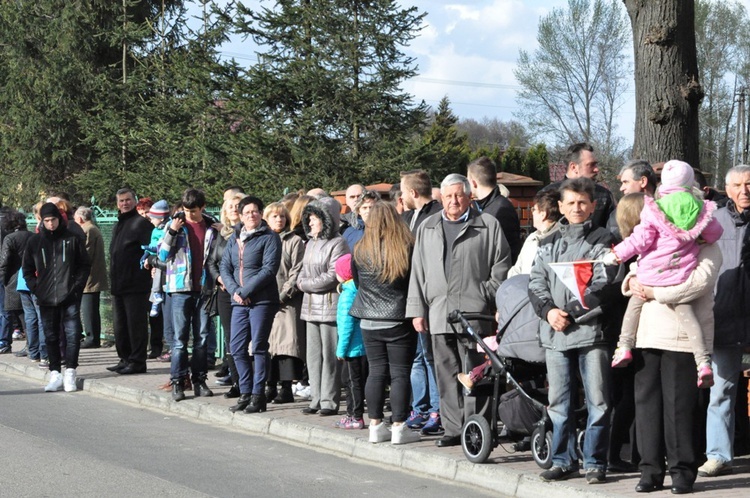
(667, 241)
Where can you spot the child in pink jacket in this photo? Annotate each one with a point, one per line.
(667, 242)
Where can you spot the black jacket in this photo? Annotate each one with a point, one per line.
(497, 205)
(56, 266)
(427, 210)
(377, 300)
(14, 247)
(125, 273)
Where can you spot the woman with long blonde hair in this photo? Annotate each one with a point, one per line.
(381, 266)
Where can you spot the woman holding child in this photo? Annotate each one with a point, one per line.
(666, 379)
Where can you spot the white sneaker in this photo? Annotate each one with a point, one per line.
(69, 380)
(379, 433)
(305, 393)
(714, 468)
(55, 382)
(402, 434)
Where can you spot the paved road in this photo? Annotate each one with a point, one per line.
(77, 444)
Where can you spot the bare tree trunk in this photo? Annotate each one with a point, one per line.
(667, 91)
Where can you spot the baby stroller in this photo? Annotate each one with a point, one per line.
(518, 363)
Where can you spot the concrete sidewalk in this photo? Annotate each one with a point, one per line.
(506, 474)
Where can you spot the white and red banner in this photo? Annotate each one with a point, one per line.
(576, 276)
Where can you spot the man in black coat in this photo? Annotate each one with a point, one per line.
(56, 267)
(130, 285)
(482, 175)
(582, 163)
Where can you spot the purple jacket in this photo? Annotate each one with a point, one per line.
(667, 254)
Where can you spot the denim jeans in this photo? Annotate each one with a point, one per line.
(726, 363)
(65, 317)
(593, 363)
(35, 341)
(189, 315)
(252, 325)
(166, 312)
(424, 388)
(211, 344)
(389, 352)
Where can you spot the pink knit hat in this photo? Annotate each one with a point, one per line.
(344, 267)
(676, 176)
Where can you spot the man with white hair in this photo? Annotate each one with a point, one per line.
(460, 258)
(97, 281)
(732, 328)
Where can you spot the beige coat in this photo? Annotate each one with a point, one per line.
(659, 327)
(97, 281)
(288, 331)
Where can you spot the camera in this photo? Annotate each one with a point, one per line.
(180, 215)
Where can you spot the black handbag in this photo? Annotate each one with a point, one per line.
(212, 303)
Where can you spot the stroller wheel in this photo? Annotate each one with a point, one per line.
(477, 439)
(541, 448)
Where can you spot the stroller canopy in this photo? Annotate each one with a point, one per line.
(518, 325)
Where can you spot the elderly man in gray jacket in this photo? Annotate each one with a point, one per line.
(460, 259)
(572, 331)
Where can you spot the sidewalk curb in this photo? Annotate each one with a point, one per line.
(497, 479)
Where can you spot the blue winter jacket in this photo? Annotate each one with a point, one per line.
(249, 267)
(350, 344)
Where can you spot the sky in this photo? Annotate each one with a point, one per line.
(467, 51)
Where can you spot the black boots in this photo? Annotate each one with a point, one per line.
(178, 390)
(271, 392)
(200, 388)
(234, 392)
(285, 393)
(242, 403)
(257, 404)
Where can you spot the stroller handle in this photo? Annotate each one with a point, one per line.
(457, 316)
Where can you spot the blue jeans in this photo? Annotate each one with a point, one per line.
(424, 388)
(726, 363)
(166, 312)
(65, 317)
(593, 363)
(252, 325)
(35, 342)
(188, 314)
(212, 344)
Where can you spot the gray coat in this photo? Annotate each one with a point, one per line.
(546, 291)
(732, 299)
(318, 276)
(481, 259)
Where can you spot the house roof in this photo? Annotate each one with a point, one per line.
(513, 180)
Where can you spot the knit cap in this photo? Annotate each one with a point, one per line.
(344, 267)
(48, 209)
(676, 176)
(159, 210)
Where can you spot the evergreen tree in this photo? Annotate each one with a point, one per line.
(513, 161)
(536, 163)
(323, 105)
(444, 149)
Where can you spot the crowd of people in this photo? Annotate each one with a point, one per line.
(360, 301)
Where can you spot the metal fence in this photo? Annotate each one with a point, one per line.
(106, 219)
